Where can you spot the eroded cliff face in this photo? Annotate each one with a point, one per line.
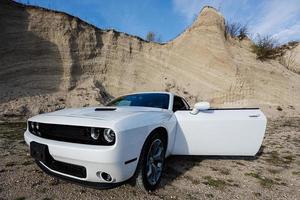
(50, 60)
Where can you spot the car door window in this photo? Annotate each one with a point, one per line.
(179, 104)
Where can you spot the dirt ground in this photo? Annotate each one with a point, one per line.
(273, 174)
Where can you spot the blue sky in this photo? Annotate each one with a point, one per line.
(168, 18)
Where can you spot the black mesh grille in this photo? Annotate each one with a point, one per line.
(66, 168)
(67, 133)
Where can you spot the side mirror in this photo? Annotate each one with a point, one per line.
(200, 106)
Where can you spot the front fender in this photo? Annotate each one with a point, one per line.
(135, 129)
(143, 119)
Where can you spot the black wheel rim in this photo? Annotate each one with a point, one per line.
(155, 159)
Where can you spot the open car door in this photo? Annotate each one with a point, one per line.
(237, 132)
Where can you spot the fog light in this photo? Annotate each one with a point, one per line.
(106, 177)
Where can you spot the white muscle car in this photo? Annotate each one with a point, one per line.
(131, 137)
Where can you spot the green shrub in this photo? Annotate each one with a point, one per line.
(150, 36)
(265, 48)
(153, 37)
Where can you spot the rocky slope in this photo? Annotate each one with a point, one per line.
(291, 58)
(50, 60)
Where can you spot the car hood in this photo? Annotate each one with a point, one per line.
(121, 118)
(103, 113)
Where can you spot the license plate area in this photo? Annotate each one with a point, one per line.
(39, 151)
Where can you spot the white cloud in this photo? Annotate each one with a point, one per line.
(187, 8)
(278, 18)
(288, 34)
(275, 15)
(191, 8)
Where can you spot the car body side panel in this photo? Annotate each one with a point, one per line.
(219, 132)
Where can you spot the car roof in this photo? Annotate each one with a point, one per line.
(154, 92)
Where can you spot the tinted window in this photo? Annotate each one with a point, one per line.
(179, 104)
(155, 100)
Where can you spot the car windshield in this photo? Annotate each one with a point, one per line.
(156, 100)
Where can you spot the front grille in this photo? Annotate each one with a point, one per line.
(67, 133)
(66, 168)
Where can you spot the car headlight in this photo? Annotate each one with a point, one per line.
(109, 135)
(95, 133)
(34, 128)
(31, 125)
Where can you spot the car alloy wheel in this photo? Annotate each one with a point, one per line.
(151, 163)
(154, 161)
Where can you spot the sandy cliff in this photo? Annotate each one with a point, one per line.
(50, 60)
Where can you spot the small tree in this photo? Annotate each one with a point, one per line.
(150, 36)
(231, 29)
(234, 30)
(243, 32)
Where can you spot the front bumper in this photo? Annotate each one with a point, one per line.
(98, 185)
(112, 160)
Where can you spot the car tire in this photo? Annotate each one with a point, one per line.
(151, 163)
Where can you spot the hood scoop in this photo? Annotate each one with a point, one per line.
(105, 109)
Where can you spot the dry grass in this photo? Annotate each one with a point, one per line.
(265, 182)
(217, 183)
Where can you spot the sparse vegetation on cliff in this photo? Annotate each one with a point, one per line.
(265, 47)
(153, 37)
(236, 30)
